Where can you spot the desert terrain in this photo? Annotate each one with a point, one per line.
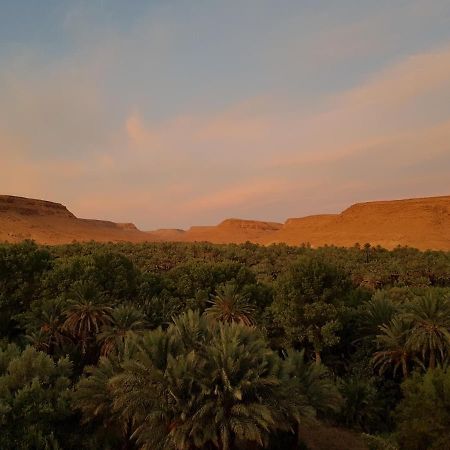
(423, 223)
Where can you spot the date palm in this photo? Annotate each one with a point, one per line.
(126, 320)
(203, 385)
(375, 313)
(395, 351)
(86, 314)
(229, 306)
(430, 335)
(311, 381)
(94, 397)
(43, 324)
(226, 391)
(240, 389)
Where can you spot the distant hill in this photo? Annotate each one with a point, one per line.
(52, 223)
(422, 222)
(229, 231)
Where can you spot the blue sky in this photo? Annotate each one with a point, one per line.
(171, 113)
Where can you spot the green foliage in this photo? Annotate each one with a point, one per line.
(43, 324)
(420, 334)
(423, 416)
(311, 279)
(305, 303)
(367, 316)
(313, 382)
(34, 400)
(125, 322)
(229, 306)
(360, 409)
(395, 350)
(112, 273)
(375, 313)
(200, 384)
(94, 398)
(430, 335)
(86, 314)
(21, 268)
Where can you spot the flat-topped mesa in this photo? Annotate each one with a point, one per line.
(32, 207)
(250, 224)
(434, 205)
(423, 223)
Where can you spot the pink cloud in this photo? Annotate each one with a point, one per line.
(138, 133)
(256, 191)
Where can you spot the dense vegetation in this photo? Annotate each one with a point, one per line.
(200, 346)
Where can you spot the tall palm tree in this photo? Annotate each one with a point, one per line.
(86, 314)
(229, 306)
(430, 335)
(126, 320)
(394, 350)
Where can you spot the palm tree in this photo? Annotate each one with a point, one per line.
(93, 396)
(228, 306)
(86, 314)
(360, 408)
(240, 389)
(394, 347)
(142, 394)
(375, 313)
(226, 391)
(430, 334)
(313, 382)
(43, 324)
(126, 320)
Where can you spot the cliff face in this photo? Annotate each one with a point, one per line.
(32, 207)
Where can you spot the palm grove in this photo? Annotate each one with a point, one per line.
(200, 346)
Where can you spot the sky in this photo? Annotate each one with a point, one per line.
(171, 113)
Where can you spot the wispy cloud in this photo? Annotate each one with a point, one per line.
(260, 192)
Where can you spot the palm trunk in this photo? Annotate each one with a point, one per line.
(318, 357)
(405, 368)
(432, 362)
(127, 443)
